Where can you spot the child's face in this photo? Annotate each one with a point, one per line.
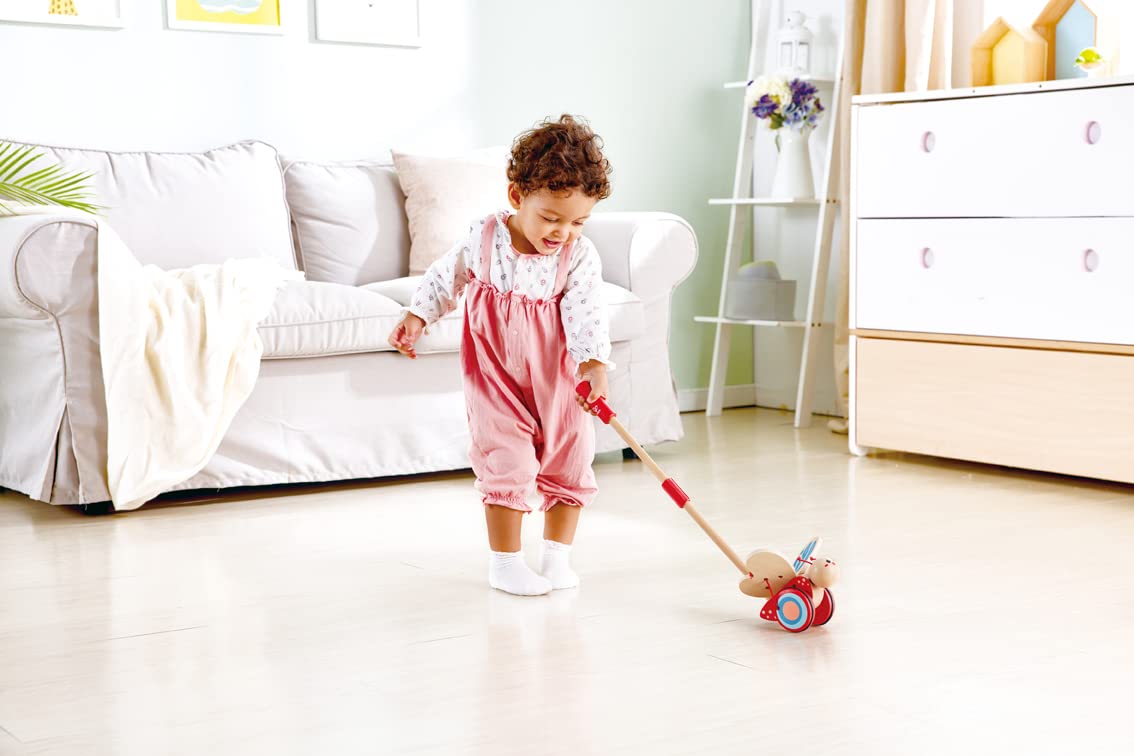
(548, 221)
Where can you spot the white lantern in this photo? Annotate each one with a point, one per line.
(795, 44)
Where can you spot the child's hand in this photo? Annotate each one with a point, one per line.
(594, 372)
(406, 334)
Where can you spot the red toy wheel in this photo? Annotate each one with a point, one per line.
(794, 611)
(825, 610)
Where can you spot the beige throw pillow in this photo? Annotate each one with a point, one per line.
(349, 221)
(443, 195)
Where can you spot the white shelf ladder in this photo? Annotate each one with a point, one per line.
(742, 201)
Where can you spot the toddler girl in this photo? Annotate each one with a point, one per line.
(535, 324)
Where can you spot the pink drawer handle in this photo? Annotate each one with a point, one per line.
(1090, 261)
(927, 258)
(1094, 132)
(928, 141)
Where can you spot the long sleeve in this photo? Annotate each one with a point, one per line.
(441, 287)
(583, 307)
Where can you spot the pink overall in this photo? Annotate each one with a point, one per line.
(519, 389)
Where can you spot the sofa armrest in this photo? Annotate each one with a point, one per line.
(647, 253)
(40, 256)
(54, 446)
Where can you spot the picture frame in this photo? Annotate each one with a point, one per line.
(385, 23)
(99, 14)
(226, 16)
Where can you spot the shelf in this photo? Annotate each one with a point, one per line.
(767, 201)
(817, 80)
(770, 323)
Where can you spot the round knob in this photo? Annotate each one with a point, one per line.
(927, 258)
(1094, 132)
(1090, 261)
(928, 141)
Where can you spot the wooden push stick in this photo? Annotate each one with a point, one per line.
(669, 485)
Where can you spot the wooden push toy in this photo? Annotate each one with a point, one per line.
(798, 594)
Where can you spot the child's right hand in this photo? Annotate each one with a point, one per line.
(406, 334)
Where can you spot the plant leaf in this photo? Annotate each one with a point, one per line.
(45, 186)
(11, 160)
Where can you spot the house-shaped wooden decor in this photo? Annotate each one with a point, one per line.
(1007, 54)
(1068, 26)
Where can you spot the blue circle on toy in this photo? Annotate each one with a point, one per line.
(792, 611)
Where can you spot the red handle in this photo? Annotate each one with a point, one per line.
(601, 408)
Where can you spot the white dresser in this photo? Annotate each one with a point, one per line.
(992, 276)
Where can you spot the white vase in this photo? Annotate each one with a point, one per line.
(793, 169)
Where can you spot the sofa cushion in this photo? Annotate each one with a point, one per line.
(175, 210)
(314, 319)
(443, 195)
(627, 314)
(442, 336)
(349, 221)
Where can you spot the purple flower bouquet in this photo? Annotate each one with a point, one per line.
(794, 104)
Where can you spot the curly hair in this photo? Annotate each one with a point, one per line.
(560, 155)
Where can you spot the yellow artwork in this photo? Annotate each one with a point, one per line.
(251, 16)
(63, 8)
(106, 14)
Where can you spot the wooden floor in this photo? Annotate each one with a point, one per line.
(981, 611)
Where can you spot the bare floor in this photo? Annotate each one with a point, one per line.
(981, 610)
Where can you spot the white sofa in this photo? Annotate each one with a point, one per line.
(331, 401)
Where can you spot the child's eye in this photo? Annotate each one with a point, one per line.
(549, 220)
(578, 223)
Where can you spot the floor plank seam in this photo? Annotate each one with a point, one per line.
(438, 640)
(8, 732)
(155, 632)
(730, 661)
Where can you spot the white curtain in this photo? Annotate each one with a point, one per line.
(891, 46)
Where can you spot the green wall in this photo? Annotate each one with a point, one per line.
(648, 75)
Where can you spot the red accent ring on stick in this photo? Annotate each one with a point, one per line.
(680, 498)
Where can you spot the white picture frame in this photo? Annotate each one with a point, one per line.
(386, 23)
(107, 14)
(173, 19)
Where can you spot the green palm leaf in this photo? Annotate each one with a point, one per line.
(44, 186)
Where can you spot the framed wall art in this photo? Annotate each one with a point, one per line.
(394, 23)
(98, 13)
(238, 16)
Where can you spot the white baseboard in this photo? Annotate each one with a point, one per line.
(744, 395)
(696, 400)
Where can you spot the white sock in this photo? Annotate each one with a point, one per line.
(508, 572)
(556, 566)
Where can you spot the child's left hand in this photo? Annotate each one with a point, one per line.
(594, 372)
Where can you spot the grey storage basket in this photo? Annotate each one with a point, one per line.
(758, 293)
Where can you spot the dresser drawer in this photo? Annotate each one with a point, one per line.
(1043, 154)
(1063, 412)
(1055, 279)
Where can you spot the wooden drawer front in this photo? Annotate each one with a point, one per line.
(1063, 412)
(1053, 279)
(1019, 155)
